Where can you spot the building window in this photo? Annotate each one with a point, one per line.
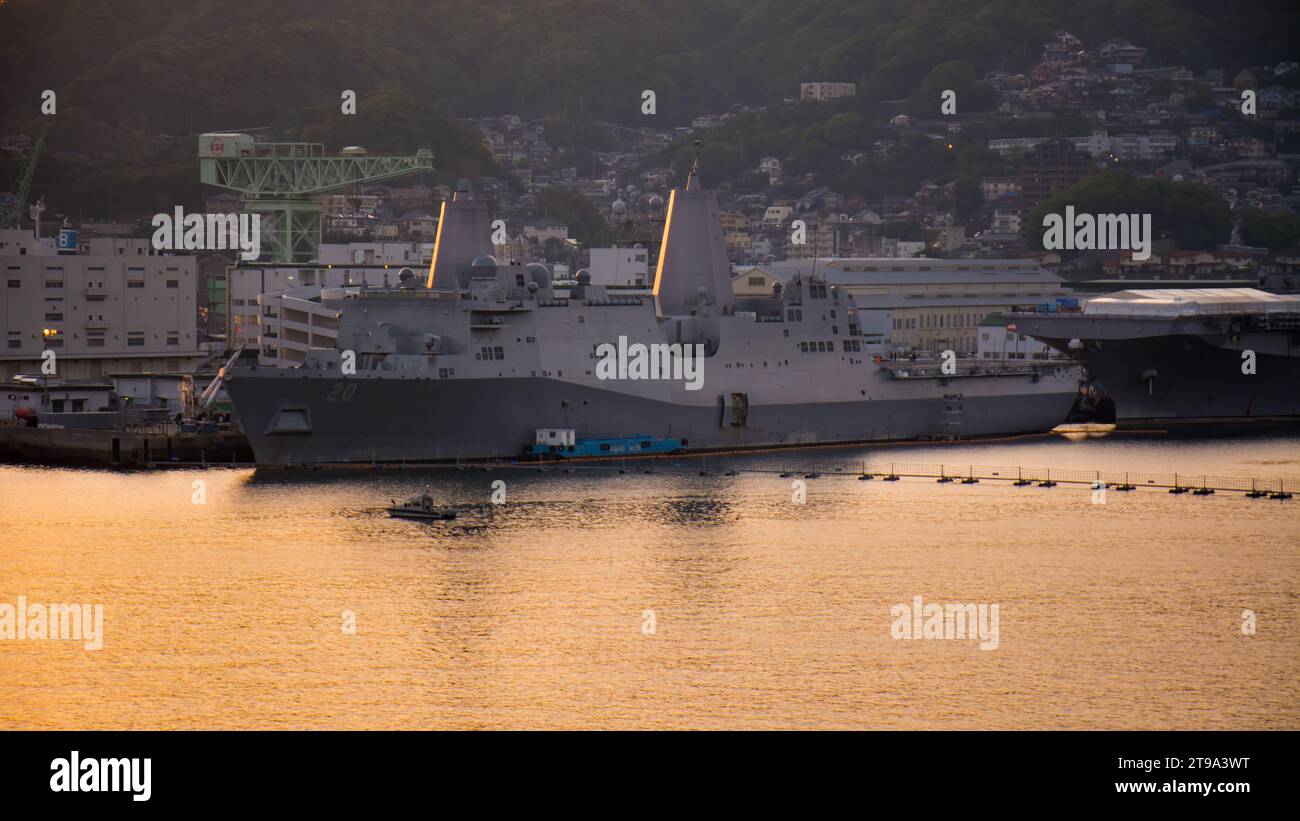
(53, 283)
(135, 283)
(53, 316)
(172, 283)
(15, 283)
(135, 340)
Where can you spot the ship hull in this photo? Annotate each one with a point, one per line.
(1188, 381)
(433, 420)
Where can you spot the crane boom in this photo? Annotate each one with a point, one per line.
(209, 394)
(277, 179)
(13, 215)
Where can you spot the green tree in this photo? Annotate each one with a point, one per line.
(1191, 213)
(959, 77)
(586, 224)
(969, 198)
(1274, 230)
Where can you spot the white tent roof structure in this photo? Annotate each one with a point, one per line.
(1174, 302)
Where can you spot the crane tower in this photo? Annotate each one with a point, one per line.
(277, 180)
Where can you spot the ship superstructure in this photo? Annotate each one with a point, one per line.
(474, 361)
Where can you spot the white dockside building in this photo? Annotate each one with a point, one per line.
(106, 305)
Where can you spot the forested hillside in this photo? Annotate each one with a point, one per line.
(128, 70)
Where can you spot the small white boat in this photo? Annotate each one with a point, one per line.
(419, 506)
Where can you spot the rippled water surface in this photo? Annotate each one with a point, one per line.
(765, 613)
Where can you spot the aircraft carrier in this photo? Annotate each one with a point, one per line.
(473, 362)
(1186, 359)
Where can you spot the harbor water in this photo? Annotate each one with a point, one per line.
(599, 598)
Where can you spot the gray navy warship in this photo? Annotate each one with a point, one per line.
(1177, 358)
(484, 360)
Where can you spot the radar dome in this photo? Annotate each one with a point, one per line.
(619, 208)
(656, 203)
(539, 274)
(483, 267)
(584, 276)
